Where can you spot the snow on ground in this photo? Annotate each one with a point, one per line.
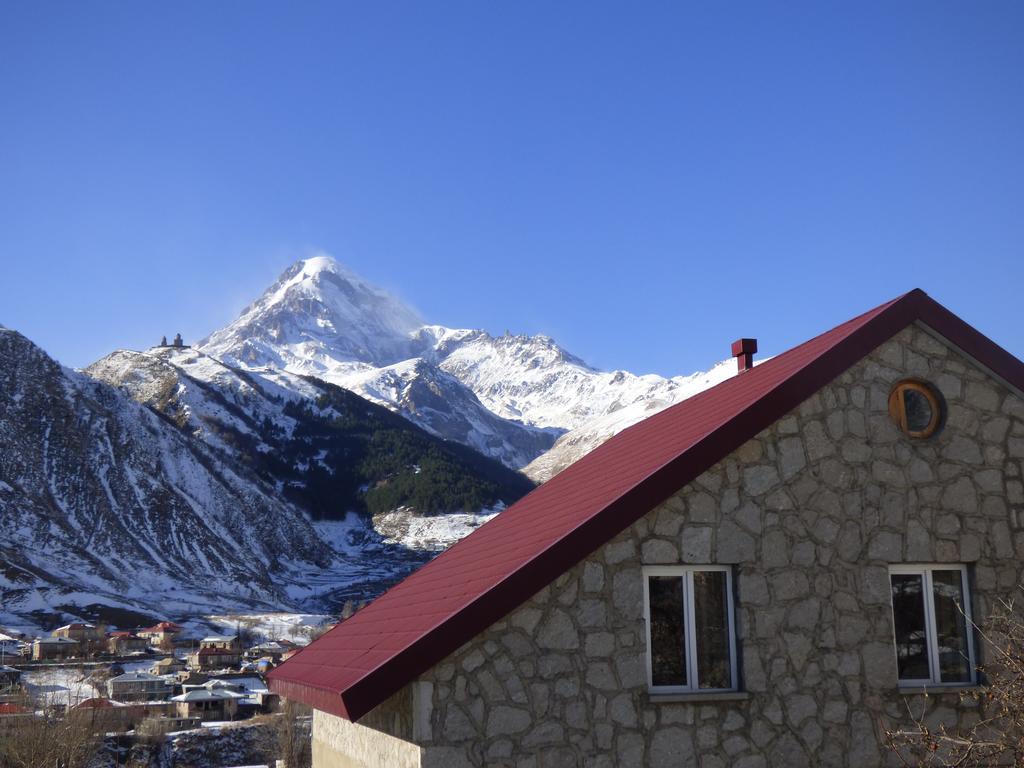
(346, 537)
(60, 685)
(297, 627)
(433, 533)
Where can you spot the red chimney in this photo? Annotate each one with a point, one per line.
(743, 350)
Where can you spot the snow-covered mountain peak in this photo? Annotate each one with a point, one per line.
(317, 307)
(507, 395)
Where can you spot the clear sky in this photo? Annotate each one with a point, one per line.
(644, 181)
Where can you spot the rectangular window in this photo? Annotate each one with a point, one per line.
(931, 611)
(690, 629)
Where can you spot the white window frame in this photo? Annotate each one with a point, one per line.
(692, 673)
(924, 570)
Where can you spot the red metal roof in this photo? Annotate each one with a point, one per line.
(415, 624)
(163, 626)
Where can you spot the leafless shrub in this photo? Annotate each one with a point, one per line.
(995, 736)
(293, 735)
(68, 740)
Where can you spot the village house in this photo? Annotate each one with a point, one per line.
(138, 686)
(169, 666)
(252, 692)
(121, 643)
(161, 635)
(81, 633)
(271, 649)
(760, 575)
(10, 679)
(11, 649)
(52, 648)
(207, 704)
(224, 642)
(210, 658)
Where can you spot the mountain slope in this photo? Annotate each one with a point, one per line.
(509, 397)
(578, 442)
(321, 320)
(321, 446)
(532, 379)
(102, 500)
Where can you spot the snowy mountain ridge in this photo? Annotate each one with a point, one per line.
(509, 396)
(103, 502)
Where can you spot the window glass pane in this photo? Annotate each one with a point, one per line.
(918, 410)
(951, 627)
(668, 659)
(711, 620)
(909, 620)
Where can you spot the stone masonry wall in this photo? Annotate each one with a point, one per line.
(811, 513)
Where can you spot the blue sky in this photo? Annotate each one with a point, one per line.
(644, 182)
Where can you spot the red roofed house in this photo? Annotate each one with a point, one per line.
(126, 642)
(162, 634)
(756, 576)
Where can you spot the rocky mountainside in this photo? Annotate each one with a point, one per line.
(104, 501)
(321, 320)
(314, 450)
(575, 444)
(509, 397)
(324, 448)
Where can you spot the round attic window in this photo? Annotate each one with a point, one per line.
(916, 408)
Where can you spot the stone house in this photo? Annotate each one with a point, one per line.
(214, 658)
(50, 648)
(760, 575)
(207, 704)
(120, 643)
(81, 633)
(168, 666)
(138, 686)
(162, 634)
(225, 642)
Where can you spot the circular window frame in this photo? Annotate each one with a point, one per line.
(898, 411)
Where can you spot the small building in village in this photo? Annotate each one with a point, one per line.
(10, 679)
(759, 575)
(121, 643)
(54, 648)
(80, 632)
(271, 649)
(213, 658)
(168, 666)
(225, 642)
(207, 704)
(12, 649)
(161, 635)
(138, 686)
